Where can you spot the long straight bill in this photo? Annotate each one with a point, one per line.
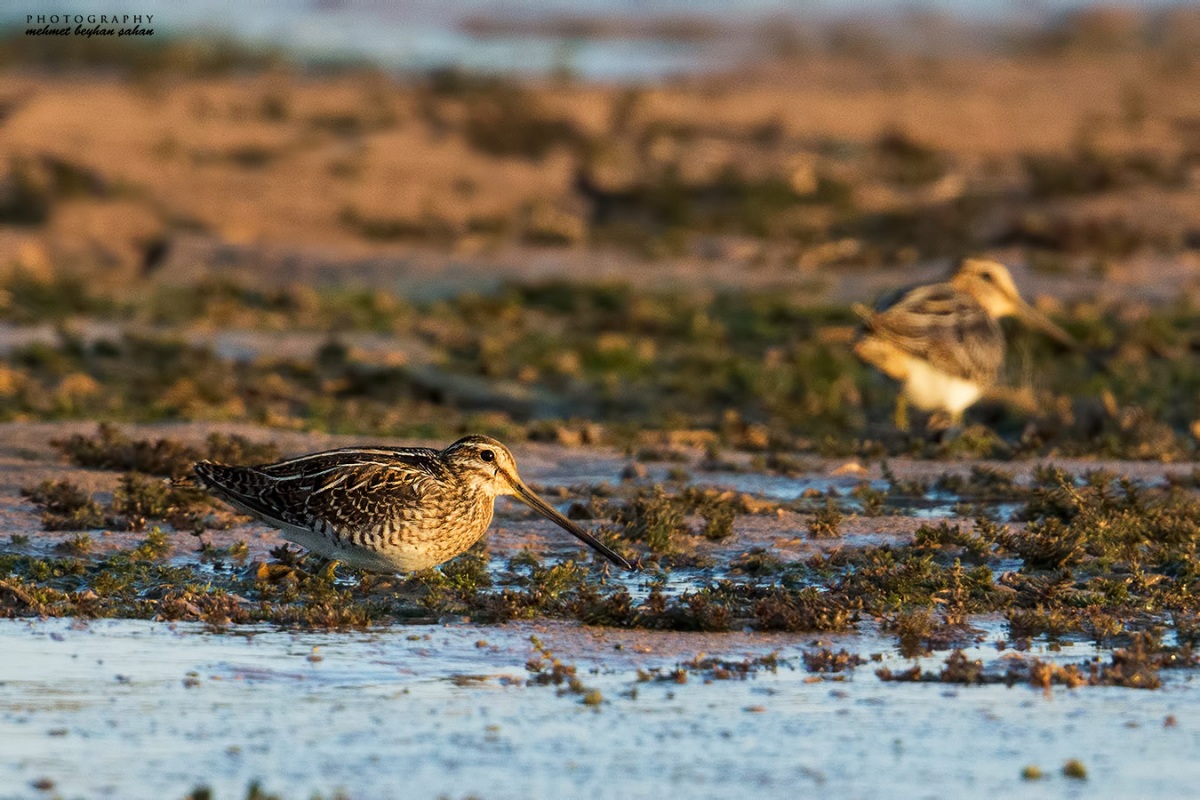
(1039, 321)
(546, 510)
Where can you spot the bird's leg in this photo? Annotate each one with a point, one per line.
(945, 426)
(900, 415)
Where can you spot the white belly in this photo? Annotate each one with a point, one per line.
(932, 390)
(400, 557)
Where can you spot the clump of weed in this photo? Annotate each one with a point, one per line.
(428, 228)
(659, 519)
(547, 670)
(825, 660)
(718, 521)
(912, 674)
(509, 123)
(456, 586)
(899, 488)
(1043, 620)
(1091, 171)
(65, 506)
(1059, 240)
(713, 608)
(1046, 674)
(779, 609)
(981, 483)
(756, 562)
(873, 500)
(653, 518)
(945, 536)
(960, 669)
(914, 629)
(718, 669)
(785, 464)
(156, 545)
(826, 523)
(236, 552)
(78, 545)
(1046, 545)
(136, 500)
(1137, 666)
(903, 160)
(108, 448)
(34, 298)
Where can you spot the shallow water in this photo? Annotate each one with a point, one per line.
(130, 709)
(136, 709)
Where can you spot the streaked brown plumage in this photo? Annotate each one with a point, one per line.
(943, 341)
(385, 509)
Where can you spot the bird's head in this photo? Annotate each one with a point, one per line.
(489, 466)
(992, 286)
(484, 463)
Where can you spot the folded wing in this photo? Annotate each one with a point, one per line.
(943, 327)
(337, 491)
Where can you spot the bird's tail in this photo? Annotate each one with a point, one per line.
(864, 313)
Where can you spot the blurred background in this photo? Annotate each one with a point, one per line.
(342, 168)
(759, 134)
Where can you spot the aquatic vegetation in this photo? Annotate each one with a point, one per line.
(756, 562)
(827, 661)
(1093, 556)
(945, 535)
(108, 448)
(960, 669)
(718, 521)
(65, 506)
(764, 372)
(546, 670)
(981, 483)
(717, 669)
(654, 518)
(136, 500)
(1088, 170)
(78, 545)
(826, 523)
(736, 381)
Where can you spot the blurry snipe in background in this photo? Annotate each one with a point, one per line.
(943, 341)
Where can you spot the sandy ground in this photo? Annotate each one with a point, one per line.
(252, 177)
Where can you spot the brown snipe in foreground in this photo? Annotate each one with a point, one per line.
(385, 509)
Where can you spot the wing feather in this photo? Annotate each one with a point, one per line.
(338, 490)
(944, 327)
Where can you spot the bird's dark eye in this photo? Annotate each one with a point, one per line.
(987, 276)
(487, 455)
